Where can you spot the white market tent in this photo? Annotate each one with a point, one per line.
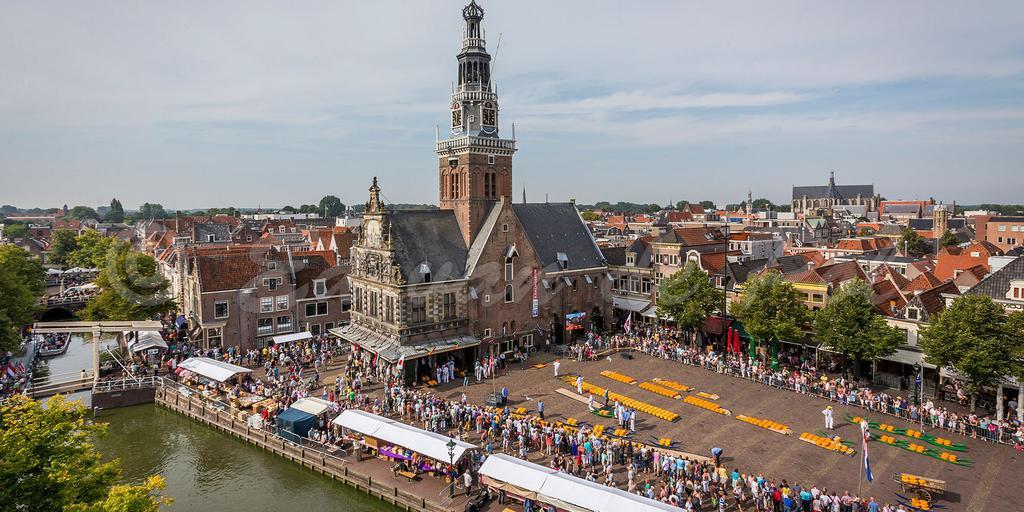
(311, 405)
(212, 368)
(567, 492)
(421, 441)
(288, 338)
(147, 340)
(53, 272)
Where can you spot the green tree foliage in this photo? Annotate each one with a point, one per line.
(48, 462)
(914, 243)
(83, 213)
(852, 325)
(132, 288)
(771, 308)
(151, 211)
(975, 337)
(590, 216)
(13, 230)
(21, 282)
(948, 239)
(64, 243)
(309, 208)
(92, 249)
(688, 297)
(116, 213)
(708, 205)
(332, 206)
(624, 207)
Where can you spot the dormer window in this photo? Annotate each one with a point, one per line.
(424, 270)
(630, 258)
(319, 287)
(563, 260)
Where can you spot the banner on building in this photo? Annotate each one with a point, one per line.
(574, 321)
(535, 304)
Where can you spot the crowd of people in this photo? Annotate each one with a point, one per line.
(802, 376)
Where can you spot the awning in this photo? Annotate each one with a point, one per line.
(288, 338)
(212, 368)
(421, 441)
(566, 492)
(390, 350)
(311, 405)
(626, 304)
(147, 340)
(907, 357)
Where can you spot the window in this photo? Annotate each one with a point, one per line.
(526, 341)
(220, 309)
(266, 304)
(912, 313)
(1002, 227)
(504, 228)
(389, 309)
(509, 269)
(211, 238)
(490, 158)
(374, 306)
(281, 229)
(487, 333)
(319, 287)
(265, 326)
(248, 238)
(328, 326)
(346, 305)
(449, 306)
(563, 260)
(272, 283)
(359, 300)
(214, 336)
(284, 323)
(282, 302)
(418, 310)
(314, 329)
(509, 293)
(817, 297)
(316, 309)
(975, 254)
(271, 265)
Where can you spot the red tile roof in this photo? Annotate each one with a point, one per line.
(924, 281)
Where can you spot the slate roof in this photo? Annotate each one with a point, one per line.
(740, 271)
(998, 283)
(428, 236)
(693, 236)
(313, 267)
(554, 228)
(791, 264)
(614, 255)
(927, 223)
(220, 232)
(839, 191)
(903, 208)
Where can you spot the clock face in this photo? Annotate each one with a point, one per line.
(488, 115)
(456, 118)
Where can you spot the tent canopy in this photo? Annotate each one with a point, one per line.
(212, 368)
(421, 441)
(311, 405)
(147, 340)
(565, 491)
(288, 338)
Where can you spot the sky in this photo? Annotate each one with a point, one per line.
(200, 104)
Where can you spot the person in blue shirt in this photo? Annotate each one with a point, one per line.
(873, 505)
(540, 409)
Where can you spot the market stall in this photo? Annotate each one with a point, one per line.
(379, 433)
(294, 424)
(289, 338)
(212, 369)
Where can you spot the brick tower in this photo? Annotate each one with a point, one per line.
(475, 163)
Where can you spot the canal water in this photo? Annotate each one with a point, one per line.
(205, 469)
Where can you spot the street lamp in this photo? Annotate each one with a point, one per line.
(451, 461)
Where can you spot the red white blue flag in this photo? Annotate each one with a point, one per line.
(865, 435)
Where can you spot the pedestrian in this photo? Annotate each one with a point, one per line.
(579, 384)
(540, 409)
(717, 453)
(556, 365)
(828, 418)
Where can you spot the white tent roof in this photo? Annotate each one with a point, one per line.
(212, 368)
(422, 441)
(53, 271)
(314, 406)
(566, 491)
(147, 340)
(288, 338)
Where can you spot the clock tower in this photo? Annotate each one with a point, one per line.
(475, 163)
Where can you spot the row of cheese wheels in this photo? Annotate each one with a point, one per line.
(705, 404)
(663, 391)
(632, 403)
(827, 443)
(763, 423)
(619, 377)
(673, 385)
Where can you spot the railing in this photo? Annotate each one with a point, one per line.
(106, 386)
(471, 140)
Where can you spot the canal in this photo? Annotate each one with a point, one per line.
(205, 469)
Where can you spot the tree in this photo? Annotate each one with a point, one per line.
(590, 216)
(50, 463)
(26, 269)
(688, 297)
(132, 288)
(116, 213)
(771, 308)
(309, 208)
(64, 242)
(18, 305)
(151, 211)
(852, 325)
(948, 238)
(914, 243)
(332, 206)
(83, 213)
(708, 205)
(14, 230)
(92, 249)
(975, 337)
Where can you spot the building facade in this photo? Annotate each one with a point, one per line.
(810, 200)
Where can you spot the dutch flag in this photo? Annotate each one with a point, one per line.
(865, 435)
